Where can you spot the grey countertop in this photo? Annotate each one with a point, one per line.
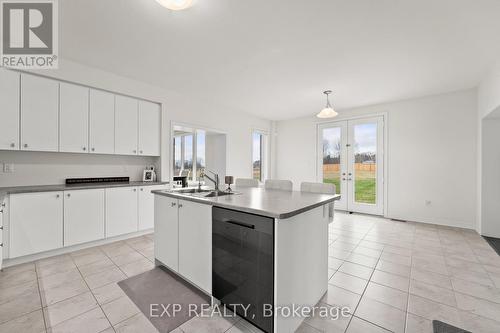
(272, 203)
(63, 187)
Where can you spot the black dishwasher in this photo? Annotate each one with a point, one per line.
(243, 264)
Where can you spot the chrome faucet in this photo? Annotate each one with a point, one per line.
(214, 180)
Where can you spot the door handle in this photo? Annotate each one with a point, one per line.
(241, 224)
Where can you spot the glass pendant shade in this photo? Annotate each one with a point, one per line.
(328, 111)
(175, 4)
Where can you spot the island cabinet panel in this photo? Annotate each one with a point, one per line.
(102, 122)
(36, 223)
(167, 231)
(39, 113)
(149, 129)
(83, 216)
(121, 211)
(195, 243)
(9, 107)
(74, 118)
(126, 126)
(146, 205)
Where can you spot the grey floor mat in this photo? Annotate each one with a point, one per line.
(160, 287)
(440, 327)
(494, 243)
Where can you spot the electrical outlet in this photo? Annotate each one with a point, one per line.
(8, 168)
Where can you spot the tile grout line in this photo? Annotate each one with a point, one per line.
(90, 290)
(363, 293)
(40, 295)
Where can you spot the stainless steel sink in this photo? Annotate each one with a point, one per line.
(193, 191)
(204, 193)
(217, 194)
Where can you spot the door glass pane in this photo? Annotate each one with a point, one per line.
(331, 156)
(365, 163)
(188, 156)
(257, 156)
(177, 155)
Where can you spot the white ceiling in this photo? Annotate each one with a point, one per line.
(273, 58)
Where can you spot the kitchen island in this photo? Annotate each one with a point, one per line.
(256, 247)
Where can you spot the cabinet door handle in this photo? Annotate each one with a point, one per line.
(57, 195)
(1, 244)
(135, 190)
(140, 151)
(1, 228)
(180, 205)
(135, 151)
(93, 149)
(173, 204)
(142, 189)
(12, 144)
(84, 148)
(25, 145)
(69, 195)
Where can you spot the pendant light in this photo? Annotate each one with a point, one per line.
(176, 4)
(328, 111)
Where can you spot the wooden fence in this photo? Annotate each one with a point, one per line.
(357, 166)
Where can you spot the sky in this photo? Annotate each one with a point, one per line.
(365, 137)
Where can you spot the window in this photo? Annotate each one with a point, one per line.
(189, 147)
(259, 155)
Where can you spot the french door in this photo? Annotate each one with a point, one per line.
(350, 155)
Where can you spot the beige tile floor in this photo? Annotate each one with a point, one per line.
(393, 276)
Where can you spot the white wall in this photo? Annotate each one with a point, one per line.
(431, 156)
(490, 187)
(488, 102)
(41, 168)
(215, 154)
(178, 108)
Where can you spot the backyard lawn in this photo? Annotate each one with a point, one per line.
(365, 185)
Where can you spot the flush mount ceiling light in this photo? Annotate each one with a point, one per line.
(328, 111)
(176, 4)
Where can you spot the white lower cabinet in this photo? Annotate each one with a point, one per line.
(146, 206)
(83, 216)
(121, 211)
(2, 209)
(194, 223)
(167, 231)
(35, 223)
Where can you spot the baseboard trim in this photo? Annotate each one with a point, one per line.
(37, 256)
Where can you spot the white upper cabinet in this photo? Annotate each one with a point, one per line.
(74, 118)
(102, 122)
(125, 125)
(9, 107)
(39, 113)
(149, 128)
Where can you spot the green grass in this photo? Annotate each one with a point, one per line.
(365, 185)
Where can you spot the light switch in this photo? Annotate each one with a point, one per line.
(8, 168)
